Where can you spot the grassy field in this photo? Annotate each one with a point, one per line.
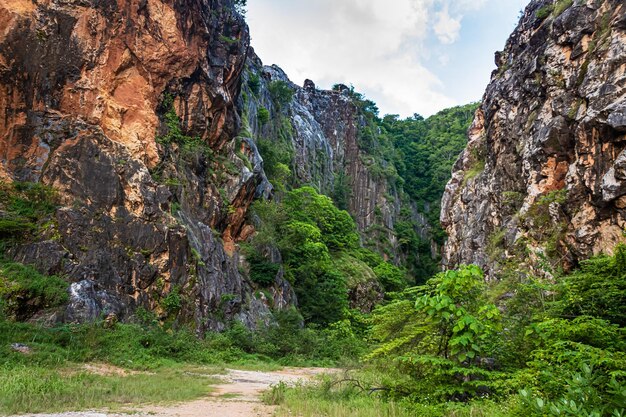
(88, 366)
(32, 389)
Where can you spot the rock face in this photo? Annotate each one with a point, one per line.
(86, 88)
(132, 110)
(324, 130)
(543, 177)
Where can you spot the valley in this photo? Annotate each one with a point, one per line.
(175, 214)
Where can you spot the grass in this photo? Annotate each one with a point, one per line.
(561, 6)
(24, 206)
(32, 389)
(23, 290)
(230, 395)
(166, 363)
(544, 11)
(553, 9)
(475, 169)
(318, 400)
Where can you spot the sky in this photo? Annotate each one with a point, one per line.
(408, 56)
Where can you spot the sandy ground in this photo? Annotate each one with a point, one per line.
(237, 396)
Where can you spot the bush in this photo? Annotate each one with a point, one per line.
(281, 93)
(254, 83)
(15, 227)
(598, 289)
(586, 394)
(390, 276)
(189, 146)
(263, 115)
(437, 334)
(338, 229)
(277, 156)
(544, 11)
(321, 292)
(309, 231)
(172, 303)
(262, 271)
(25, 206)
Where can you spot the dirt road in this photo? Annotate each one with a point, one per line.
(237, 396)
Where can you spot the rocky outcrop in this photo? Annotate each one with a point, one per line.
(324, 133)
(87, 88)
(542, 180)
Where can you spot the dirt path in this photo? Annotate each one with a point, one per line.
(238, 396)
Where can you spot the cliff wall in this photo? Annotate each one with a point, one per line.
(127, 109)
(541, 181)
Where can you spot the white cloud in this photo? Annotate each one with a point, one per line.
(443, 59)
(446, 27)
(378, 46)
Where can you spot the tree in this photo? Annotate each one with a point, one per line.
(336, 226)
(438, 332)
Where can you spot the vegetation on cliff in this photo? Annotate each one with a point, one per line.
(320, 252)
(456, 345)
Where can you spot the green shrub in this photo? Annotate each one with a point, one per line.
(477, 167)
(544, 11)
(262, 271)
(597, 289)
(25, 206)
(390, 276)
(353, 269)
(321, 292)
(281, 93)
(189, 146)
(172, 302)
(263, 115)
(338, 229)
(15, 227)
(254, 83)
(437, 334)
(561, 6)
(276, 394)
(586, 394)
(277, 156)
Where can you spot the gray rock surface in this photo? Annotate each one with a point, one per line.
(547, 139)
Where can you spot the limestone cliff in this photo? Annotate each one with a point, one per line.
(144, 115)
(542, 179)
(323, 132)
(87, 88)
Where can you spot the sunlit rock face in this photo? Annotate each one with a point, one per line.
(86, 88)
(543, 180)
